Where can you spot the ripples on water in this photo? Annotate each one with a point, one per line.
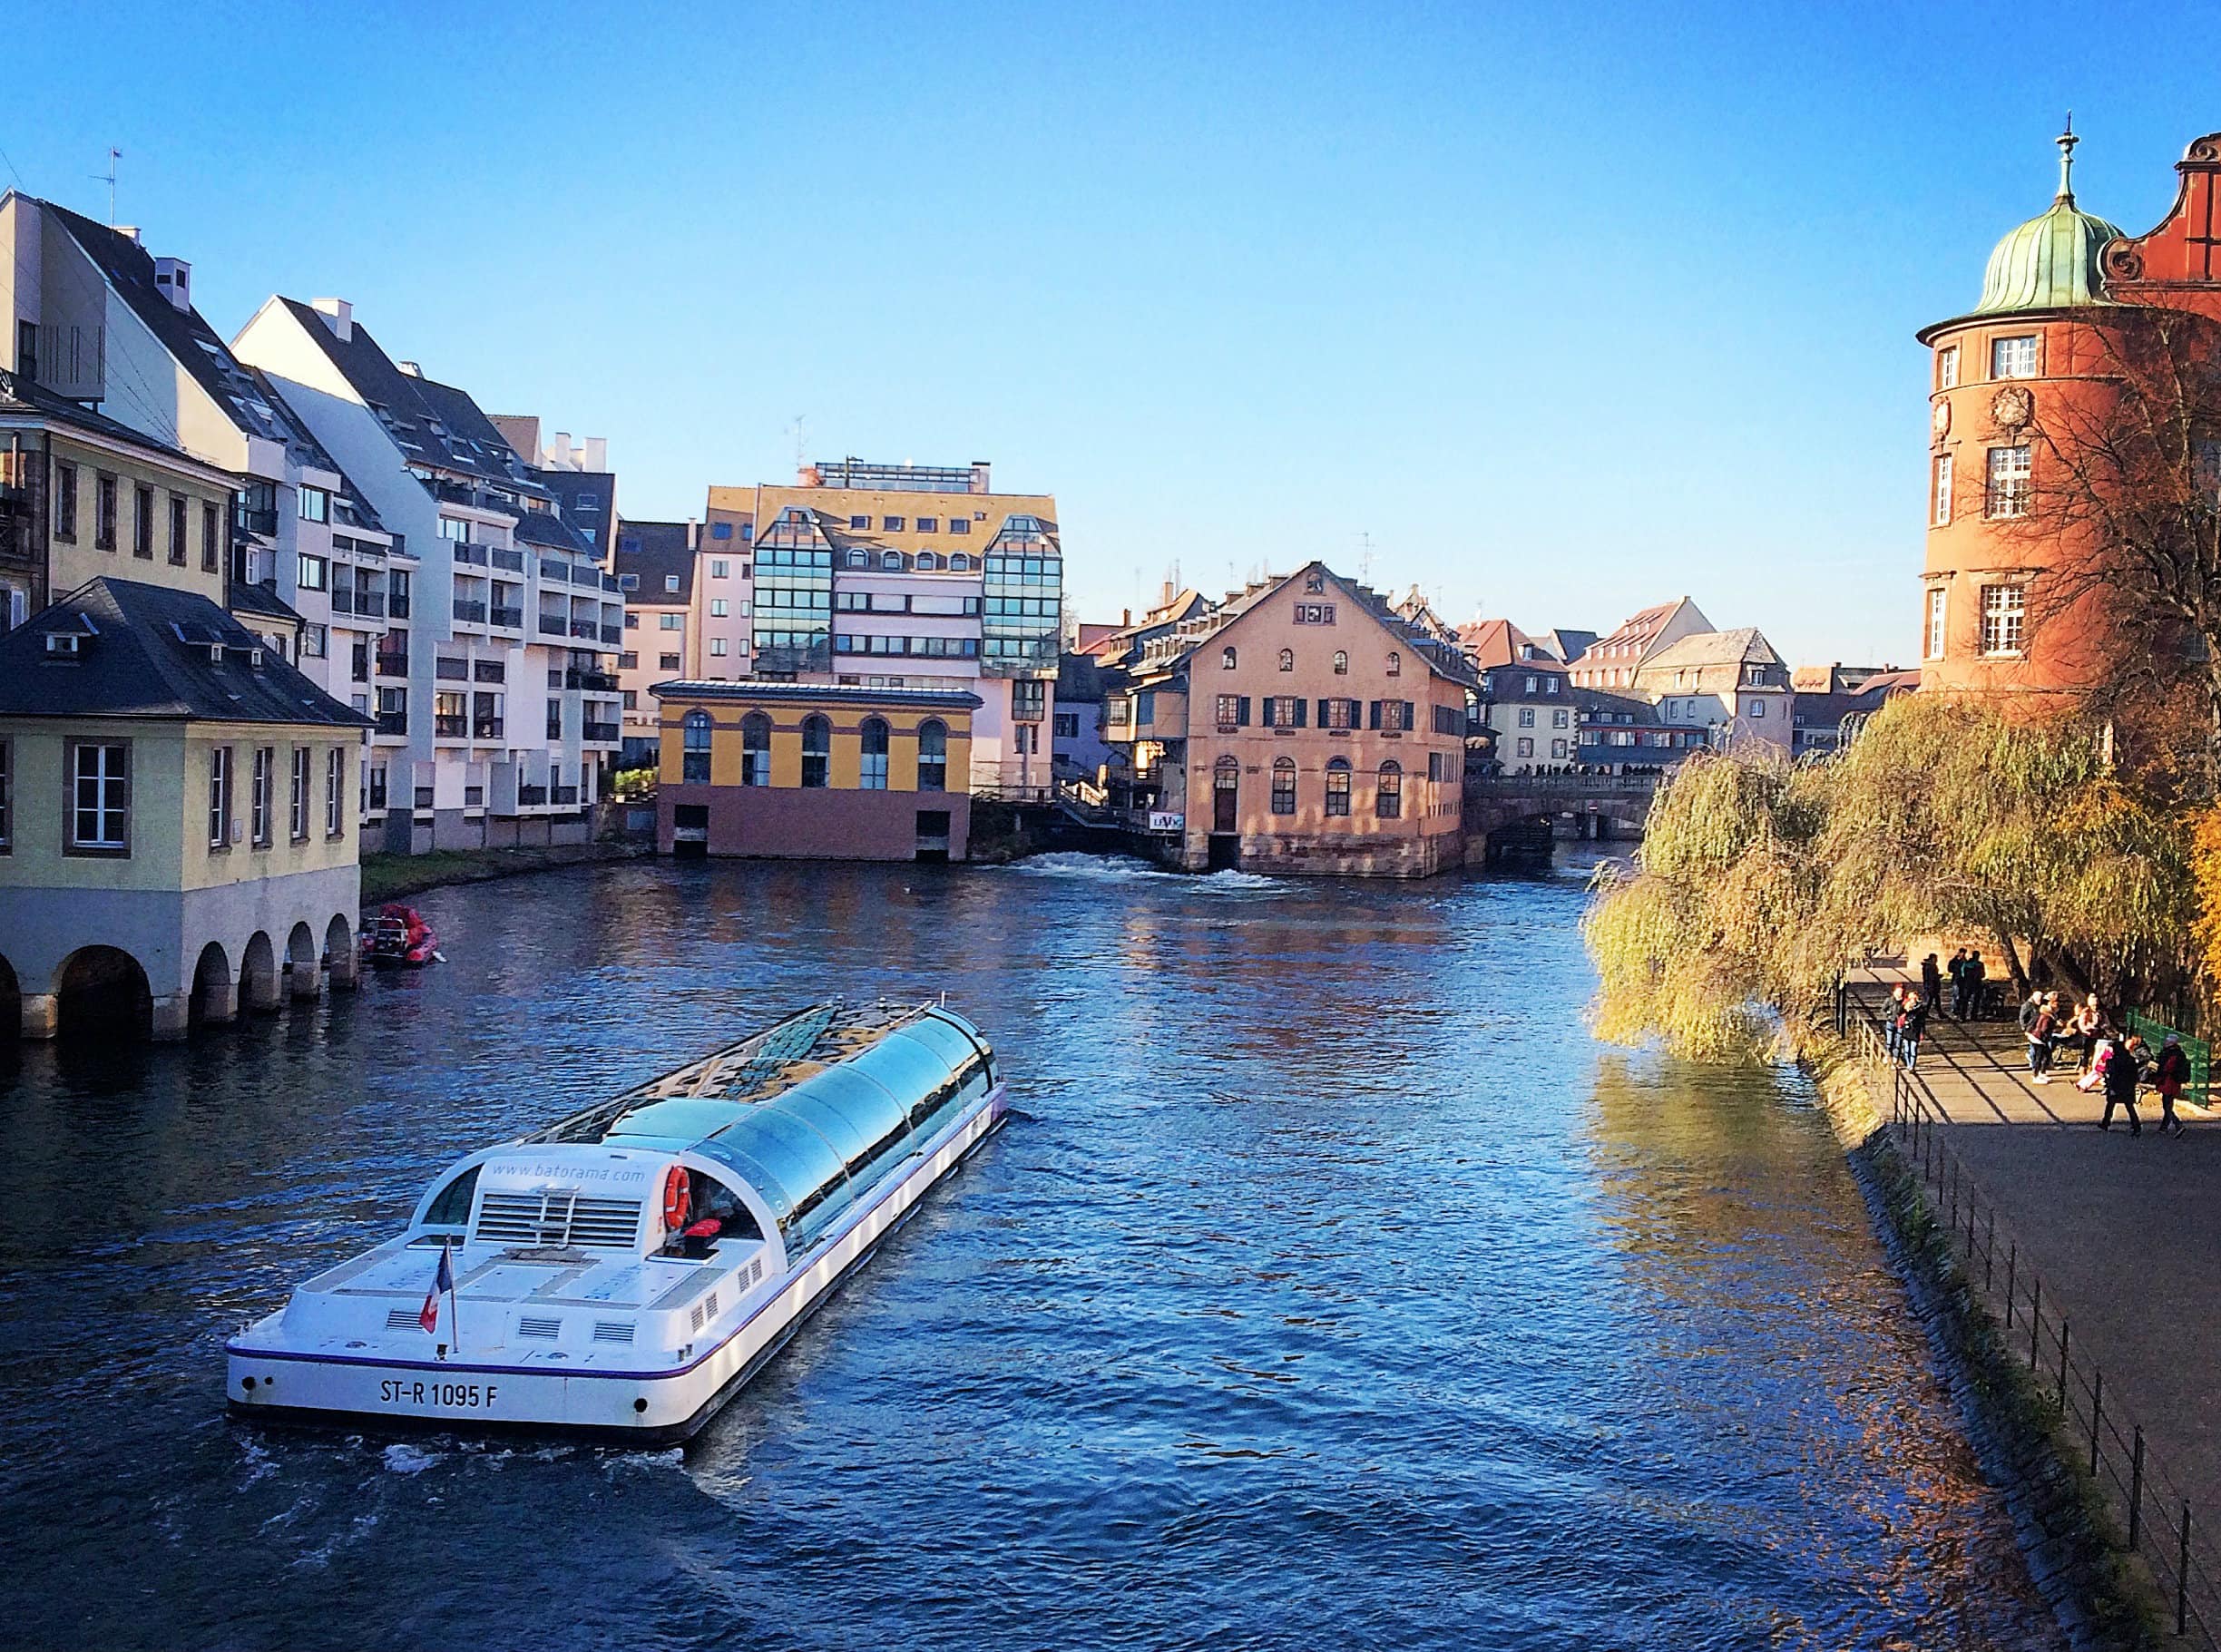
(1333, 1289)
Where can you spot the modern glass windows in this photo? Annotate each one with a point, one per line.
(718, 569)
(220, 798)
(694, 749)
(2008, 493)
(671, 623)
(1388, 797)
(265, 762)
(1942, 491)
(1947, 368)
(816, 751)
(1937, 600)
(717, 608)
(1284, 786)
(755, 749)
(315, 504)
(312, 572)
(1337, 786)
(100, 797)
(2004, 612)
(872, 774)
(2013, 358)
(933, 756)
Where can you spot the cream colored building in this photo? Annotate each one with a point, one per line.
(178, 833)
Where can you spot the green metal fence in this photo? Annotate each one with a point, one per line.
(2155, 1033)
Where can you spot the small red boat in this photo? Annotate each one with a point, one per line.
(398, 938)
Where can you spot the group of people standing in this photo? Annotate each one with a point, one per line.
(2104, 1056)
(1905, 1022)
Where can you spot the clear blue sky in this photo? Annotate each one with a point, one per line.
(1569, 309)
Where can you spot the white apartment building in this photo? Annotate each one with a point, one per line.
(495, 705)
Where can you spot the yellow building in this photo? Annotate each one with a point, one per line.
(813, 771)
(176, 830)
(83, 497)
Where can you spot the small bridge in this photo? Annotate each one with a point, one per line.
(1515, 814)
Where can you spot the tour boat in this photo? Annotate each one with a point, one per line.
(622, 1273)
(398, 938)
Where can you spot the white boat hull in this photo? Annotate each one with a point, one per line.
(398, 1390)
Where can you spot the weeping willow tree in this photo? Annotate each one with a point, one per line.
(1758, 881)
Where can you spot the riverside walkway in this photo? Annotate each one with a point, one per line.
(2115, 1225)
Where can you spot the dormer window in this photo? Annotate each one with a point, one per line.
(892, 562)
(63, 643)
(859, 559)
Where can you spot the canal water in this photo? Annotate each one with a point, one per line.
(1332, 1288)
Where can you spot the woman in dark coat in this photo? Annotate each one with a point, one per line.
(2124, 1065)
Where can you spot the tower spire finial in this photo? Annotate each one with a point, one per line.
(2067, 141)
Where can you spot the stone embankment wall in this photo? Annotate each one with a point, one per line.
(2074, 1555)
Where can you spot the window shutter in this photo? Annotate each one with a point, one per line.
(1241, 712)
(1299, 703)
(1325, 714)
(1407, 715)
(1373, 714)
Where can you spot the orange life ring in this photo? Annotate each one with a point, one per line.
(677, 1199)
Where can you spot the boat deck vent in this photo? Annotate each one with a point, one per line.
(403, 1319)
(545, 1330)
(557, 1218)
(705, 1310)
(612, 1330)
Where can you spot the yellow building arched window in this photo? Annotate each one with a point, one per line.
(933, 756)
(871, 776)
(755, 749)
(816, 752)
(694, 738)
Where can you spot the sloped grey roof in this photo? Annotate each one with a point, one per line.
(146, 653)
(652, 551)
(1745, 646)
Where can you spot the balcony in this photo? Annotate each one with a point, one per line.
(511, 619)
(609, 583)
(530, 796)
(398, 607)
(392, 722)
(473, 613)
(552, 625)
(513, 561)
(586, 629)
(602, 734)
(464, 551)
(262, 523)
(594, 682)
(392, 665)
(550, 569)
(449, 726)
(486, 728)
(612, 635)
(565, 795)
(478, 498)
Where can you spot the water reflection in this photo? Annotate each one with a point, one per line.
(1334, 1288)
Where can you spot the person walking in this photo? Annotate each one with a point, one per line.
(1974, 976)
(1932, 980)
(2123, 1065)
(2036, 1029)
(1956, 969)
(2170, 1073)
(1915, 1024)
(1893, 1021)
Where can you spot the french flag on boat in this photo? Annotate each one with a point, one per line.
(443, 1281)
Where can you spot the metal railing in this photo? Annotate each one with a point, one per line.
(602, 734)
(2155, 1032)
(470, 613)
(554, 625)
(505, 558)
(508, 619)
(2160, 1524)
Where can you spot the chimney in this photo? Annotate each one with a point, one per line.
(979, 476)
(338, 315)
(174, 277)
(808, 475)
(597, 453)
(693, 535)
(1125, 616)
(558, 451)
(411, 368)
(129, 232)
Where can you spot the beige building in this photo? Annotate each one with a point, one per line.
(178, 834)
(1301, 725)
(1732, 685)
(1612, 659)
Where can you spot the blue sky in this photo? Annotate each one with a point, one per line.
(1561, 312)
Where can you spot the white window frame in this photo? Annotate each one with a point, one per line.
(1943, 513)
(1939, 610)
(297, 801)
(1947, 368)
(221, 764)
(2013, 356)
(259, 799)
(2004, 622)
(2008, 480)
(110, 810)
(335, 791)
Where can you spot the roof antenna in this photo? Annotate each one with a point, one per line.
(109, 177)
(2067, 141)
(1365, 558)
(800, 451)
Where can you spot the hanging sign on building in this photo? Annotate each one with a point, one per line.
(1165, 820)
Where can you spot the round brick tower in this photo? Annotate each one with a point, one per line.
(2030, 358)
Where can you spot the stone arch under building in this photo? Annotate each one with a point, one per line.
(303, 975)
(103, 990)
(215, 992)
(258, 979)
(339, 951)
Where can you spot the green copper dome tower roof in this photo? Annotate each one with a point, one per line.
(2051, 261)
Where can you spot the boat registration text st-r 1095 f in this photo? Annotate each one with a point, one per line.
(622, 1273)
